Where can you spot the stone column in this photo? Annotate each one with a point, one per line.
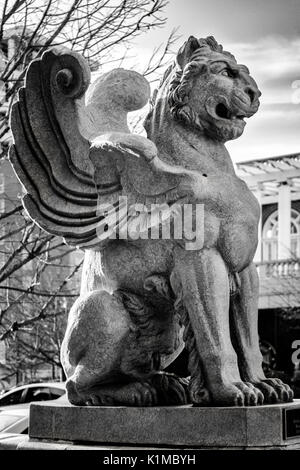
(258, 255)
(284, 221)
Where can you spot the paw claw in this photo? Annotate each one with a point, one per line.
(240, 400)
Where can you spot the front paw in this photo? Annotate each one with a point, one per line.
(274, 390)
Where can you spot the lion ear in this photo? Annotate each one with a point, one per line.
(185, 52)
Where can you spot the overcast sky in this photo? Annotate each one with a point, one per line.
(264, 35)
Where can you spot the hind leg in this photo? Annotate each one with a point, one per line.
(98, 326)
(105, 361)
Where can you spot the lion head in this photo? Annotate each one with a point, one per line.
(210, 91)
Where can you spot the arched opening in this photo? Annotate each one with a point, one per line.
(270, 236)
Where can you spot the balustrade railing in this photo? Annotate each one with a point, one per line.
(279, 268)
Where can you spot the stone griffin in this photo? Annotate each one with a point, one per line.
(142, 300)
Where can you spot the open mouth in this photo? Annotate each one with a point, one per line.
(223, 112)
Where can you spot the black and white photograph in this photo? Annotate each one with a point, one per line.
(149, 229)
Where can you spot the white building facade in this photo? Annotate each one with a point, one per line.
(276, 184)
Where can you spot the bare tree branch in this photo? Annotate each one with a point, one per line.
(43, 312)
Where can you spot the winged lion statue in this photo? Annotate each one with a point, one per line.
(103, 188)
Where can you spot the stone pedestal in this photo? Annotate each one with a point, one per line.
(265, 427)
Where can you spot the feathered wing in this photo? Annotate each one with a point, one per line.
(50, 156)
(72, 188)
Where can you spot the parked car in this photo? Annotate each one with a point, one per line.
(32, 392)
(14, 419)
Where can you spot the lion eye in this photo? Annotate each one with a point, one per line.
(226, 73)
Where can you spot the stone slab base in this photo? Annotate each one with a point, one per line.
(268, 426)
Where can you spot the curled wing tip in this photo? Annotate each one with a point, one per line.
(72, 72)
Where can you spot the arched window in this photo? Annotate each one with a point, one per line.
(295, 233)
(270, 236)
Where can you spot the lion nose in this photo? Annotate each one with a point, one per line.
(252, 93)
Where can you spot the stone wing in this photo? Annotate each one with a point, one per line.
(49, 155)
